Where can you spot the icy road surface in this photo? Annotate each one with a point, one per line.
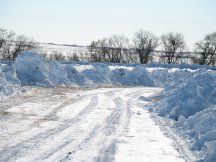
(66, 124)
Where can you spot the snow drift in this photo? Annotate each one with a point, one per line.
(190, 96)
(33, 70)
(9, 84)
(191, 101)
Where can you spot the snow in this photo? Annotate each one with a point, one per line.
(9, 84)
(81, 68)
(201, 127)
(190, 96)
(144, 141)
(191, 101)
(95, 125)
(33, 70)
(65, 50)
(188, 101)
(120, 67)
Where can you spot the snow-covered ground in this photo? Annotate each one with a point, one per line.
(185, 111)
(68, 124)
(65, 50)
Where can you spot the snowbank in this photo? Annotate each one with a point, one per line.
(30, 69)
(33, 70)
(201, 128)
(193, 95)
(190, 99)
(8, 84)
(137, 76)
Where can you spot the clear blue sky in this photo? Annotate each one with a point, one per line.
(81, 21)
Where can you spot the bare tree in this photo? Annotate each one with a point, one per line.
(173, 45)
(144, 44)
(12, 45)
(118, 45)
(130, 55)
(112, 49)
(94, 51)
(206, 50)
(99, 50)
(6, 41)
(21, 44)
(5, 36)
(57, 55)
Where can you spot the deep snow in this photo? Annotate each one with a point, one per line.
(188, 100)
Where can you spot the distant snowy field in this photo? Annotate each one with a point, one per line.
(188, 99)
(65, 50)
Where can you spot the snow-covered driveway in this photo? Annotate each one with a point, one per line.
(67, 124)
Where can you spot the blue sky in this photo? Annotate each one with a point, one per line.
(81, 21)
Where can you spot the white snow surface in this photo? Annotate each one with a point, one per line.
(103, 125)
(188, 100)
(9, 84)
(191, 101)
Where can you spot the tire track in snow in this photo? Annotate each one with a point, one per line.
(92, 134)
(107, 153)
(11, 153)
(80, 116)
(107, 128)
(112, 131)
(180, 144)
(105, 136)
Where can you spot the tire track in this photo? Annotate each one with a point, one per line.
(107, 153)
(112, 127)
(12, 152)
(102, 136)
(107, 128)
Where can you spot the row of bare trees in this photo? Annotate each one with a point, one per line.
(118, 49)
(12, 44)
(171, 47)
(113, 49)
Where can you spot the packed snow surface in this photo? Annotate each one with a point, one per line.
(107, 124)
(187, 102)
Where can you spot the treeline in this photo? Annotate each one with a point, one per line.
(170, 48)
(144, 47)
